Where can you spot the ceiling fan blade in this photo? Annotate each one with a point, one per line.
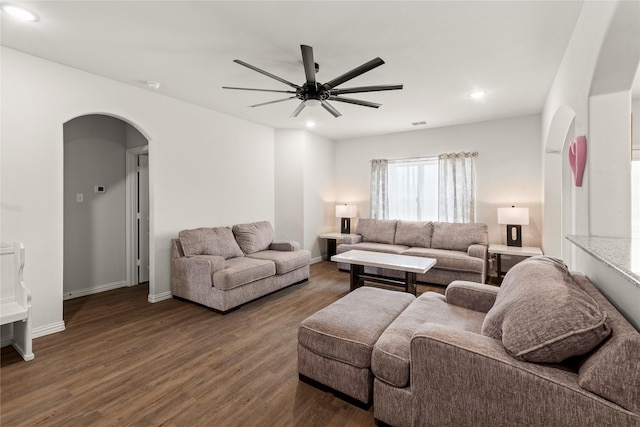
(365, 89)
(272, 102)
(259, 90)
(266, 73)
(298, 109)
(368, 66)
(355, 101)
(309, 65)
(331, 109)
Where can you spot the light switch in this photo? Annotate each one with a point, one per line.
(79, 197)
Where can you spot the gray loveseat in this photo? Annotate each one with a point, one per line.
(460, 250)
(544, 349)
(224, 267)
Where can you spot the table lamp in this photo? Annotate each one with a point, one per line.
(346, 212)
(514, 218)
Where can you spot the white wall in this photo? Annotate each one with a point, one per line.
(206, 168)
(94, 229)
(508, 167)
(304, 180)
(589, 97)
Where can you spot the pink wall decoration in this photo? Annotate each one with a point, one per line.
(578, 158)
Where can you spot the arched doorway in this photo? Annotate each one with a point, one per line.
(559, 194)
(98, 231)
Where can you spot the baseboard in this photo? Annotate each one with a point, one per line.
(316, 260)
(160, 297)
(94, 290)
(49, 329)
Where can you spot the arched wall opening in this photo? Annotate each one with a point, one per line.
(104, 189)
(559, 199)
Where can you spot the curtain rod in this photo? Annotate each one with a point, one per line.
(418, 159)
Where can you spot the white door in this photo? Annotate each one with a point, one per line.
(143, 218)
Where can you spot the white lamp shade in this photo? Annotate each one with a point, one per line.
(513, 216)
(345, 211)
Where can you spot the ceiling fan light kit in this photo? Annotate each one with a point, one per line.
(312, 93)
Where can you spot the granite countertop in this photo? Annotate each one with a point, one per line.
(621, 254)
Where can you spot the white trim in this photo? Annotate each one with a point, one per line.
(49, 329)
(131, 186)
(7, 340)
(316, 260)
(159, 297)
(95, 290)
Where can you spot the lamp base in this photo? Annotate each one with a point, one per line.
(514, 235)
(345, 226)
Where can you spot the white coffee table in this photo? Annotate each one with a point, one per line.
(410, 265)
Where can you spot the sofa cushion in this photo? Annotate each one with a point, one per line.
(449, 259)
(390, 360)
(240, 271)
(284, 261)
(254, 237)
(210, 241)
(372, 247)
(347, 329)
(377, 230)
(541, 315)
(611, 371)
(457, 236)
(414, 233)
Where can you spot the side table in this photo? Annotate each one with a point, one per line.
(332, 239)
(499, 250)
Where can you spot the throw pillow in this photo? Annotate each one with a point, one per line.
(414, 233)
(457, 236)
(541, 315)
(377, 230)
(254, 237)
(210, 241)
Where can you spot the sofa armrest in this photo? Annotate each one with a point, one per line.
(285, 246)
(194, 272)
(471, 295)
(352, 239)
(462, 378)
(478, 251)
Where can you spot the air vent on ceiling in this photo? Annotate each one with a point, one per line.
(421, 123)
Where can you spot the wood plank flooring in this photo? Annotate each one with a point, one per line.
(124, 361)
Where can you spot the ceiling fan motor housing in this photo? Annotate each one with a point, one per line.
(306, 92)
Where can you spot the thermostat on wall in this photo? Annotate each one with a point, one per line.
(100, 189)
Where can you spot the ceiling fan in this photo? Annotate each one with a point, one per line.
(313, 93)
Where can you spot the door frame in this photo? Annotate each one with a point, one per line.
(131, 207)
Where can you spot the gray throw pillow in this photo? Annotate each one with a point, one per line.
(210, 241)
(541, 315)
(414, 233)
(254, 237)
(377, 230)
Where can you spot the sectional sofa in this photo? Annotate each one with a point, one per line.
(223, 268)
(544, 349)
(460, 250)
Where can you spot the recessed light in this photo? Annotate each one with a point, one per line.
(477, 95)
(310, 124)
(19, 13)
(154, 85)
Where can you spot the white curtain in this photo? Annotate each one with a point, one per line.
(379, 198)
(413, 189)
(456, 187)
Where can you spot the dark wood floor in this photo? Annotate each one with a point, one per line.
(124, 361)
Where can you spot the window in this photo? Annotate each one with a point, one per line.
(413, 189)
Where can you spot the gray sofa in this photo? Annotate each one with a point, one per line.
(460, 250)
(223, 268)
(544, 349)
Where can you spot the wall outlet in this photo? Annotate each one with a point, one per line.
(100, 189)
(79, 197)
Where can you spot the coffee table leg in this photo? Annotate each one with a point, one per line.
(355, 280)
(410, 282)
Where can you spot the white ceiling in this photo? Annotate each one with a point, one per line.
(440, 51)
